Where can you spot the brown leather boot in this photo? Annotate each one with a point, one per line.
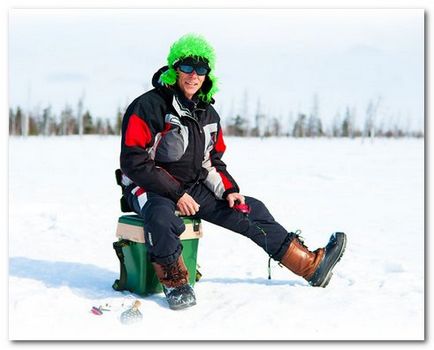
(174, 278)
(300, 260)
(172, 275)
(315, 267)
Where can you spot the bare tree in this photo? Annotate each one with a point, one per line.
(25, 124)
(67, 121)
(337, 125)
(371, 114)
(260, 120)
(80, 115)
(289, 124)
(314, 125)
(46, 120)
(246, 110)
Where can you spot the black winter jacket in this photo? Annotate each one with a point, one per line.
(170, 143)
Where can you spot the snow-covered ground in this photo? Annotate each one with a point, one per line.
(63, 209)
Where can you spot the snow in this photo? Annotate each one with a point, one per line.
(63, 209)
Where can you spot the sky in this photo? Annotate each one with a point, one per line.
(277, 59)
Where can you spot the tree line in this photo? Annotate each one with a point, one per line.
(76, 122)
(68, 122)
(311, 125)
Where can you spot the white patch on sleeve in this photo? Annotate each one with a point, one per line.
(126, 181)
(142, 199)
(208, 130)
(153, 149)
(213, 181)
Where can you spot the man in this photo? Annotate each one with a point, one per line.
(171, 159)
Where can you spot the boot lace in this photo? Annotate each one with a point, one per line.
(298, 236)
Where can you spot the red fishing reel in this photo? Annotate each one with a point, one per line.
(242, 208)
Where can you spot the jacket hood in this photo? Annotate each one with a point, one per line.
(191, 45)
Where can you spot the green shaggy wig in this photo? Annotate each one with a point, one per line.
(192, 45)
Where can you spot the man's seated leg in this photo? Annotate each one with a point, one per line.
(286, 247)
(162, 231)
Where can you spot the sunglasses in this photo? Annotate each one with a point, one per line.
(187, 69)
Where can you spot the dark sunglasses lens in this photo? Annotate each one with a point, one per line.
(185, 69)
(201, 70)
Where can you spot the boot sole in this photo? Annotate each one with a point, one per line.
(329, 274)
(184, 301)
(182, 306)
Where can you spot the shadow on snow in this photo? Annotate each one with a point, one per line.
(87, 279)
(262, 281)
(94, 282)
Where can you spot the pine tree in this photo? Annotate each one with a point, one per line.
(19, 121)
(237, 127)
(33, 126)
(88, 127)
(300, 126)
(11, 122)
(118, 127)
(348, 124)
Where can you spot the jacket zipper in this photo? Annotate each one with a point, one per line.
(200, 132)
(195, 120)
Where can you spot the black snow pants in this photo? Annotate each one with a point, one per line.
(163, 227)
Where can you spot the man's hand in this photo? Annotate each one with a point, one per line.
(233, 197)
(187, 205)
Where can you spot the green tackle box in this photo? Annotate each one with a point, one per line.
(137, 274)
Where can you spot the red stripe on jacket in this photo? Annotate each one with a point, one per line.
(139, 191)
(138, 133)
(226, 183)
(220, 146)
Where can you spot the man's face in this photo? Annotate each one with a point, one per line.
(190, 83)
